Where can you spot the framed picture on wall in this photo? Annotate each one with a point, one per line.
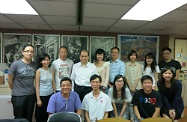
(105, 43)
(13, 43)
(44, 43)
(1, 47)
(75, 44)
(141, 44)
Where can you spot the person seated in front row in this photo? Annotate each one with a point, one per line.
(96, 104)
(66, 100)
(147, 102)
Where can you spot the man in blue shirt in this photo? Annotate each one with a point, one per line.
(117, 67)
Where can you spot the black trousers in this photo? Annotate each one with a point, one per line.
(82, 90)
(23, 106)
(41, 114)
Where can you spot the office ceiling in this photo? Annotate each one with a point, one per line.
(95, 15)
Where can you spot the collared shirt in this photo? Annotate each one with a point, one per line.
(57, 103)
(97, 107)
(133, 73)
(81, 74)
(116, 68)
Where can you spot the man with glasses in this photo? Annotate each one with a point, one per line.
(66, 100)
(117, 67)
(175, 65)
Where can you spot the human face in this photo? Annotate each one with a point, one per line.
(45, 62)
(133, 57)
(149, 60)
(115, 54)
(167, 75)
(119, 83)
(28, 53)
(95, 84)
(63, 53)
(166, 54)
(99, 57)
(147, 85)
(84, 57)
(65, 87)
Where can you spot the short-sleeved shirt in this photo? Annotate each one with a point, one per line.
(61, 69)
(97, 107)
(128, 96)
(57, 103)
(24, 75)
(116, 68)
(146, 103)
(175, 65)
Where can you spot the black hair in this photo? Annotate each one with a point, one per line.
(84, 51)
(100, 51)
(131, 53)
(166, 48)
(115, 48)
(153, 64)
(161, 82)
(41, 58)
(146, 77)
(64, 48)
(93, 77)
(65, 79)
(27, 45)
(123, 88)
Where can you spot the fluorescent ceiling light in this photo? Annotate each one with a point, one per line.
(16, 7)
(152, 9)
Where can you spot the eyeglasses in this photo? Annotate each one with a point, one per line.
(28, 51)
(119, 81)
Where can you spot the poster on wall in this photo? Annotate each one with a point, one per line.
(141, 44)
(13, 43)
(1, 47)
(75, 44)
(105, 43)
(48, 44)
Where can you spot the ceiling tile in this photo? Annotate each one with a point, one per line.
(174, 16)
(159, 25)
(130, 23)
(105, 10)
(93, 28)
(37, 26)
(10, 25)
(98, 21)
(125, 2)
(60, 20)
(143, 31)
(4, 19)
(35, 19)
(66, 8)
(120, 30)
(184, 7)
(65, 27)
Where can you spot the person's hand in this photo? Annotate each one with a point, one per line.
(172, 113)
(39, 103)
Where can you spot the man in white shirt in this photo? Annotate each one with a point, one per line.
(81, 74)
(61, 67)
(96, 104)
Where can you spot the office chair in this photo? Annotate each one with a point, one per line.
(113, 120)
(157, 119)
(64, 117)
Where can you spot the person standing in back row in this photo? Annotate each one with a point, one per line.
(61, 67)
(175, 65)
(21, 81)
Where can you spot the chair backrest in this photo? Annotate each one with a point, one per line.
(157, 119)
(64, 117)
(113, 120)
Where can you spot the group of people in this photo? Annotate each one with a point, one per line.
(96, 90)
